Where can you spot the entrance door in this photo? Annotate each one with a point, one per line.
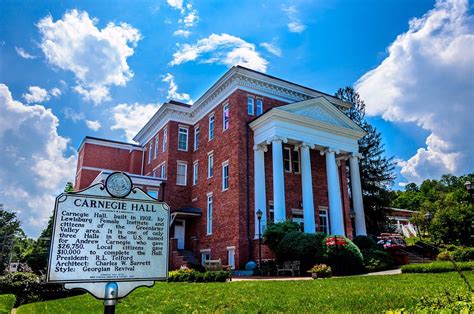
(179, 233)
(231, 257)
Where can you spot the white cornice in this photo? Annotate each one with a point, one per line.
(107, 143)
(234, 79)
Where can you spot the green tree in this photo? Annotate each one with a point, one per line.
(9, 228)
(376, 170)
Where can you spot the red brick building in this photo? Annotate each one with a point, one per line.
(250, 142)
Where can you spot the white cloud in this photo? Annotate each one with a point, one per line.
(427, 79)
(55, 92)
(295, 25)
(24, 54)
(34, 165)
(190, 19)
(132, 117)
(182, 32)
(225, 49)
(36, 94)
(173, 89)
(75, 117)
(97, 57)
(271, 48)
(176, 4)
(94, 125)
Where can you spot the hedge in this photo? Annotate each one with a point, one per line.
(436, 267)
(191, 275)
(7, 301)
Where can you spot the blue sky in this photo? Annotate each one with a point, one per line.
(103, 78)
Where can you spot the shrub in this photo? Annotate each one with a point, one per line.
(7, 302)
(377, 260)
(191, 275)
(301, 246)
(443, 256)
(276, 231)
(344, 259)
(463, 254)
(436, 267)
(448, 302)
(322, 270)
(25, 286)
(365, 243)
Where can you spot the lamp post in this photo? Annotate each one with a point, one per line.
(470, 188)
(259, 217)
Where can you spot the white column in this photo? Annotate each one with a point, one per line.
(334, 192)
(357, 196)
(307, 188)
(278, 181)
(259, 186)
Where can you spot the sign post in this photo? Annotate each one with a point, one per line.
(109, 239)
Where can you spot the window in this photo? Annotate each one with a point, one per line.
(150, 151)
(296, 161)
(153, 193)
(287, 159)
(250, 106)
(210, 165)
(225, 176)
(196, 138)
(297, 216)
(231, 257)
(183, 138)
(211, 126)
(156, 147)
(163, 171)
(195, 172)
(165, 139)
(209, 214)
(181, 174)
(323, 220)
(205, 256)
(225, 117)
(259, 107)
(153, 174)
(271, 210)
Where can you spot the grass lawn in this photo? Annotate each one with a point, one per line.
(350, 294)
(6, 303)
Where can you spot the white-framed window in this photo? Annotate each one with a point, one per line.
(271, 211)
(181, 177)
(163, 171)
(250, 106)
(183, 138)
(165, 138)
(153, 193)
(225, 117)
(209, 214)
(259, 107)
(297, 216)
(205, 256)
(225, 175)
(157, 141)
(196, 138)
(287, 159)
(323, 220)
(150, 152)
(211, 126)
(195, 172)
(296, 161)
(210, 165)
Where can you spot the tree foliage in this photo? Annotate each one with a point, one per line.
(9, 229)
(376, 170)
(445, 208)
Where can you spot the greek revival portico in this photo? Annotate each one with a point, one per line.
(314, 124)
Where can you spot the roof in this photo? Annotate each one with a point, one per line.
(98, 140)
(189, 210)
(237, 77)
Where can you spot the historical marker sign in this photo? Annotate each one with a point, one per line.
(110, 233)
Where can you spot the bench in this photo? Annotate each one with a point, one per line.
(292, 267)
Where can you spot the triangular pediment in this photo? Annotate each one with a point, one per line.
(320, 110)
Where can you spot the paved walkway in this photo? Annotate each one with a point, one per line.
(268, 278)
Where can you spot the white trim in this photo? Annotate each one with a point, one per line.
(185, 164)
(182, 127)
(164, 144)
(253, 105)
(196, 128)
(236, 78)
(230, 247)
(209, 213)
(225, 164)
(106, 143)
(137, 180)
(224, 107)
(195, 172)
(205, 251)
(211, 115)
(209, 155)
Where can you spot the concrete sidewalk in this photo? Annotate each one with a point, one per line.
(277, 278)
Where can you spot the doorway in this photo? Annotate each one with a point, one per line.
(179, 226)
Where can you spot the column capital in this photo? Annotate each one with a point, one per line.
(277, 139)
(355, 155)
(328, 150)
(263, 147)
(306, 144)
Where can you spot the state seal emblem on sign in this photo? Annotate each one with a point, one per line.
(118, 184)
